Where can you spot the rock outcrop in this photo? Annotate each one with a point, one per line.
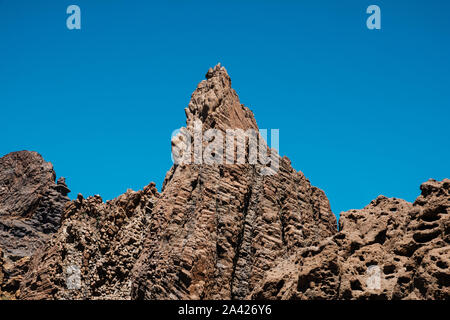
(94, 251)
(391, 249)
(216, 229)
(31, 205)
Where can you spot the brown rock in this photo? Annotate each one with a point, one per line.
(31, 204)
(391, 249)
(92, 254)
(216, 229)
(217, 105)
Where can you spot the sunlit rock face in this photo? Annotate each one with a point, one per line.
(391, 249)
(216, 230)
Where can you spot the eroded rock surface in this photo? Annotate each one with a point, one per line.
(216, 229)
(391, 249)
(94, 251)
(31, 205)
(228, 231)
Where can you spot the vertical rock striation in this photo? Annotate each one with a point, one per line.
(31, 204)
(391, 249)
(94, 251)
(216, 229)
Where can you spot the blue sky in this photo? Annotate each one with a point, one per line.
(361, 112)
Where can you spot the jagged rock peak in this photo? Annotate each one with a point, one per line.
(22, 174)
(432, 188)
(218, 71)
(217, 229)
(214, 104)
(27, 186)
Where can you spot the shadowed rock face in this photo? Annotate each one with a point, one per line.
(216, 231)
(391, 249)
(31, 204)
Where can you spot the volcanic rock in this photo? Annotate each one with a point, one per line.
(391, 249)
(94, 251)
(31, 204)
(216, 229)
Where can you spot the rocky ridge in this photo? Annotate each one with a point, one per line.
(391, 249)
(216, 231)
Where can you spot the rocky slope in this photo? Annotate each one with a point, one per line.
(217, 231)
(94, 251)
(31, 204)
(391, 249)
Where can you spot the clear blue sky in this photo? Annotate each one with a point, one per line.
(360, 112)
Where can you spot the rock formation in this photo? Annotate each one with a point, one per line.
(391, 249)
(31, 204)
(94, 251)
(217, 231)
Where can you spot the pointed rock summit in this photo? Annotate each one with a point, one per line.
(217, 105)
(216, 229)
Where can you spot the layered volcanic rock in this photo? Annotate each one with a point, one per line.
(94, 251)
(31, 204)
(391, 249)
(216, 229)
